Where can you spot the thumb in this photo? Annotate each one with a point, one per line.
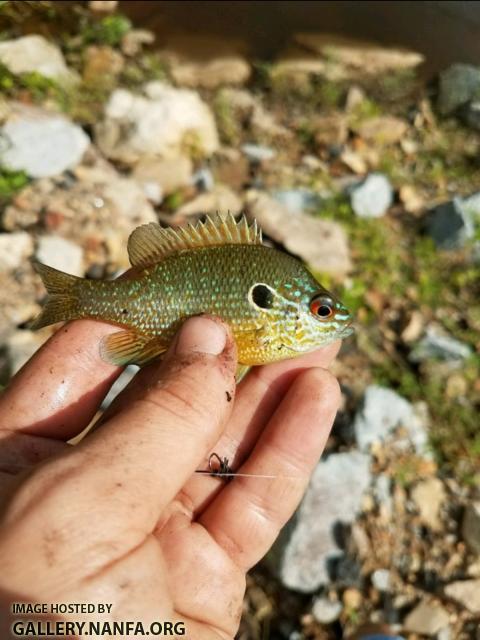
(137, 462)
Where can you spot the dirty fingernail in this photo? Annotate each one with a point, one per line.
(201, 335)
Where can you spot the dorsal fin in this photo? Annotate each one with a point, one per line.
(151, 242)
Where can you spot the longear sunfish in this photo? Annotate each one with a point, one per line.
(275, 307)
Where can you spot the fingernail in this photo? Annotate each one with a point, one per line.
(201, 335)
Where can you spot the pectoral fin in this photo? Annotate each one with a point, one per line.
(130, 347)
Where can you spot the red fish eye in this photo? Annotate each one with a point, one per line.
(322, 308)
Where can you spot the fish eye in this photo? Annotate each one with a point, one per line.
(322, 307)
(262, 296)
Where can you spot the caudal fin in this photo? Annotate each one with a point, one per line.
(61, 303)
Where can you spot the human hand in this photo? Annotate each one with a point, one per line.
(121, 517)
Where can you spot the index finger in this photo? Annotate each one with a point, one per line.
(59, 390)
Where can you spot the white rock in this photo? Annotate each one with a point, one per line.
(426, 619)
(381, 580)
(467, 593)
(34, 53)
(372, 197)
(308, 544)
(61, 254)
(165, 122)
(326, 611)
(428, 496)
(382, 412)
(15, 249)
(471, 526)
(42, 144)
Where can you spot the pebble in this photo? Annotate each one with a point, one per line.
(326, 611)
(427, 619)
(61, 254)
(458, 85)
(169, 175)
(307, 547)
(258, 153)
(34, 53)
(467, 593)
(436, 345)
(471, 526)
(163, 121)
(428, 496)
(15, 249)
(320, 243)
(382, 412)
(372, 197)
(381, 580)
(42, 144)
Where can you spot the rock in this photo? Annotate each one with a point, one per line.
(61, 254)
(96, 208)
(382, 130)
(450, 224)
(103, 6)
(220, 198)
(169, 175)
(471, 527)
(372, 197)
(428, 496)
(102, 62)
(34, 53)
(467, 593)
(15, 250)
(359, 55)
(42, 144)
(297, 200)
(21, 346)
(320, 243)
(458, 85)
(258, 153)
(307, 546)
(134, 40)
(437, 345)
(326, 611)
(381, 580)
(427, 619)
(382, 412)
(210, 74)
(165, 122)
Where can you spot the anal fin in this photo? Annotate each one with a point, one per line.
(129, 347)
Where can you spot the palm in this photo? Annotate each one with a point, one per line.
(133, 524)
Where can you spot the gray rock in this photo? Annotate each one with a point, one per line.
(450, 224)
(61, 254)
(427, 619)
(320, 243)
(34, 53)
(467, 593)
(429, 496)
(15, 249)
(326, 611)
(42, 144)
(258, 153)
(471, 527)
(459, 84)
(307, 545)
(164, 122)
(436, 345)
(382, 412)
(372, 197)
(297, 200)
(381, 580)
